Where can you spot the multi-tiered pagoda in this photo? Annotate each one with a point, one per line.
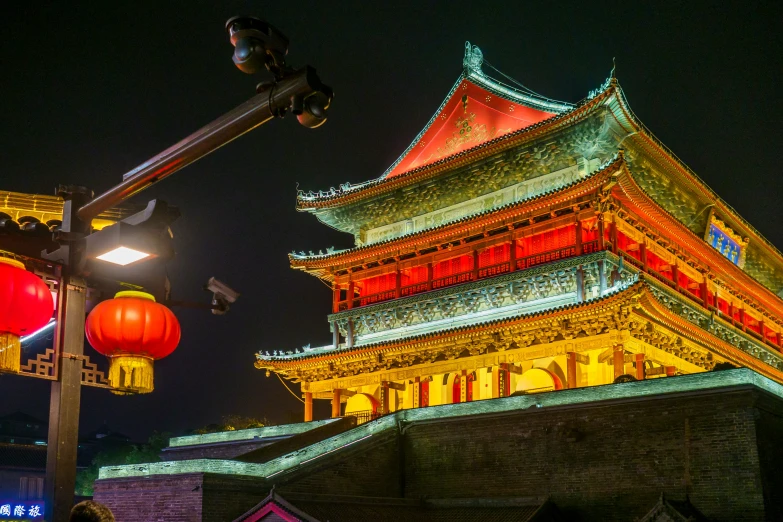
(521, 245)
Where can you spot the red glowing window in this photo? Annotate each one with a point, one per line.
(455, 265)
(495, 255)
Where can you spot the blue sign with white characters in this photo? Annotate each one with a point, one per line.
(730, 249)
(21, 510)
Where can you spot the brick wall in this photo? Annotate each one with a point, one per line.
(214, 451)
(602, 462)
(597, 462)
(196, 497)
(769, 430)
(169, 498)
(226, 497)
(371, 469)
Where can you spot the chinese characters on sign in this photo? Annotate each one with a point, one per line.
(19, 511)
(723, 239)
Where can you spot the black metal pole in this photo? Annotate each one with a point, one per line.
(254, 112)
(78, 211)
(63, 440)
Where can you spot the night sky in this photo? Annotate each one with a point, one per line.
(88, 93)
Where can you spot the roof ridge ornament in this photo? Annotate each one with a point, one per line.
(610, 81)
(473, 59)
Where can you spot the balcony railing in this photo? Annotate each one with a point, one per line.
(454, 279)
(493, 270)
(546, 257)
(364, 416)
(588, 247)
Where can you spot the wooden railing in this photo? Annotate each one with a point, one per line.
(521, 264)
(546, 257)
(660, 277)
(633, 261)
(588, 247)
(467, 276)
(364, 416)
(374, 298)
(493, 270)
(454, 279)
(413, 289)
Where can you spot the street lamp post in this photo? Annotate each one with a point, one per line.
(257, 45)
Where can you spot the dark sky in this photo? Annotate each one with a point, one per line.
(88, 93)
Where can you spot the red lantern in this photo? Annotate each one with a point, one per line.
(25, 306)
(132, 330)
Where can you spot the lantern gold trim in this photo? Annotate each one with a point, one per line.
(10, 352)
(131, 372)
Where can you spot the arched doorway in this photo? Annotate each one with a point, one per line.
(537, 380)
(363, 406)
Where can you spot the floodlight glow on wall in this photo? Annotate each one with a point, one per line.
(122, 256)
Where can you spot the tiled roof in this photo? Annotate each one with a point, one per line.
(22, 456)
(319, 507)
(608, 167)
(306, 201)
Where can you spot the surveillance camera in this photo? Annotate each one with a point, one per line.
(257, 44)
(221, 290)
(311, 111)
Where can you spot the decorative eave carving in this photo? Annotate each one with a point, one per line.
(648, 311)
(475, 224)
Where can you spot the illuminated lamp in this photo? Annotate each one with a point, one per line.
(132, 330)
(121, 244)
(25, 306)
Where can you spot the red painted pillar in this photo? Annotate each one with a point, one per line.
(578, 234)
(639, 366)
(335, 403)
(475, 265)
(429, 276)
(463, 387)
(512, 255)
(743, 323)
(397, 282)
(600, 233)
(643, 255)
(704, 294)
(676, 276)
(384, 397)
(350, 294)
(308, 404)
(416, 392)
(619, 360)
(336, 297)
(571, 369)
(613, 235)
(670, 371)
(503, 380)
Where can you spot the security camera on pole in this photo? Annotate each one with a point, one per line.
(136, 246)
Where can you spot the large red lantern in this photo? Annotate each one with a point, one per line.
(132, 330)
(25, 306)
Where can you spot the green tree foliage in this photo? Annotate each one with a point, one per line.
(233, 422)
(120, 454)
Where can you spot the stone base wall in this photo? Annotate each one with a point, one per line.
(601, 462)
(604, 461)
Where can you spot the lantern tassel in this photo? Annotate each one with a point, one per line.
(130, 374)
(10, 352)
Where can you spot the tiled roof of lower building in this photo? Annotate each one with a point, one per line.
(385, 509)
